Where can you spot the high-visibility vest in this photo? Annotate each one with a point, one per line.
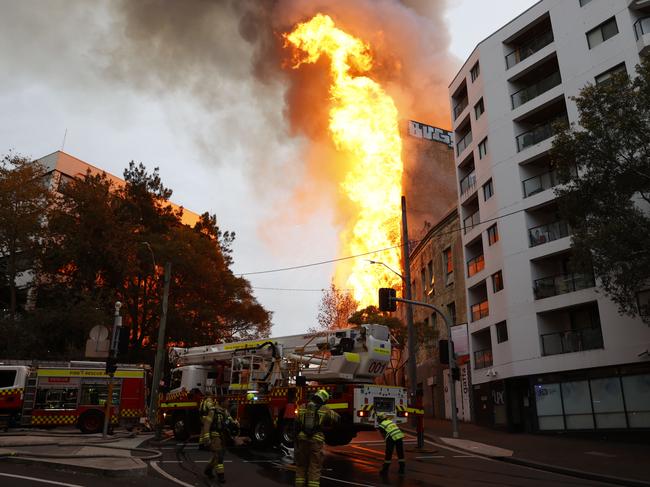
(392, 430)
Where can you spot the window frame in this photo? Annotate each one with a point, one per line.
(482, 148)
(600, 29)
(493, 234)
(475, 71)
(479, 104)
(488, 184)
(503, 326)
(497, 278)
(447, 263)
(614, 70)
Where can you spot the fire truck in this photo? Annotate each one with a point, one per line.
(262, 383)
(70, 393)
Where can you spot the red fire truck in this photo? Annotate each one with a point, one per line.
(263, 382)
(70, 393)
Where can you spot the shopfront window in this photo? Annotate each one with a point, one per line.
(549, 406)
(577, 406)
(637, 399)
(607, 398)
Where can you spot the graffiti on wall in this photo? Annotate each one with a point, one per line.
(424, 131)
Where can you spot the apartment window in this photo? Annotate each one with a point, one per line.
(502, 332)
(423, 279)
(497, 281)
(475, 72)
(413, 288)
(448, 265)
(433, 319)
(493, 234)
(607, 75)
(600, 34)
(479, 108)
(584, 2)
(482, 148)
(451, 312)
(488, 190)
(432, 278)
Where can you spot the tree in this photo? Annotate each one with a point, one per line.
(335, 309)
(607, 202)
(24, 197)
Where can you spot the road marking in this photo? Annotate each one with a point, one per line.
(431, 456)
(465, 456)
(168, 476)
(35, 479)
(346, 481)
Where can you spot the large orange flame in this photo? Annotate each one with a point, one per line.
(363, 122)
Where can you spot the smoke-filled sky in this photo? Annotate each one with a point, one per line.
(198, 88)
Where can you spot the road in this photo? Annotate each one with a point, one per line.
(356, 464)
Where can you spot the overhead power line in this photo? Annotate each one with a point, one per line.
(330, 261)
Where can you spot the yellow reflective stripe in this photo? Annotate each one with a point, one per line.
(382, 351)
(338, 405)
(178, 404)
(88, 373)
(352, 357)
(415, 410)
(242, 345)
(238, 386)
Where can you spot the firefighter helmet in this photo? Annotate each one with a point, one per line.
(381, 417)
(323, 395)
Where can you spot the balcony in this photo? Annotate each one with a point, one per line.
(540, 183)
(562, 284)
(528, 49)
(468, 183)
(570, 341)
(538, 134)
(470, 222)
(480, 310)
(475, 265)
(463, 143)
(547, 233)
(642, 27)
(482, 358)
(533, 91)
(458, 109)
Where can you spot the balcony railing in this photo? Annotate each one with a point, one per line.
(462, 144)
(547, 233)
(470, 222)
(480, 310)
(540, 183)
(572, 341)
(562, 284)
(482, 358)
(477, 264)
(533, 91)
(467, 183)
(538, 133)
(526, 50)
(458, 109)
(642, 27)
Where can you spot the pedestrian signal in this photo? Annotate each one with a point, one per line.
(387, 299)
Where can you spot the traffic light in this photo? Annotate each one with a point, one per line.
(455, 374)
(387, 299)
(111, 365)
(443, 351)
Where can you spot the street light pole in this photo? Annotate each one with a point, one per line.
(412, 371)
(112, 356)
(160, 350)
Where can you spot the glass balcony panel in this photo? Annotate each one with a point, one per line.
(533, 91)
(471, 221)
(482, 358)
(480, 310)
(642, 27)
(463, 143)
(458, 109)
(468, 183)
(547, 233)
(526, 50)
(475, 265)
(562, 284)
(537, 134)
(570, 341)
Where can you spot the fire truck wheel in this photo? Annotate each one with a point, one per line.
(262, 432)
(91, 422)
(286, 433)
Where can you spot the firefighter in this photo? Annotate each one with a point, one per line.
(215, 422)
(394, 440)
(312, 418)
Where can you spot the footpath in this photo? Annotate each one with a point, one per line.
(119, 455)
(604, 460)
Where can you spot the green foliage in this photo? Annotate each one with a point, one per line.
(607, 205)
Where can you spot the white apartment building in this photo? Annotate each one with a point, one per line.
(548, 351)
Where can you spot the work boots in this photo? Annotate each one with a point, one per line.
(209, 472)
(221, 478)
(384, 469)
(402, 468)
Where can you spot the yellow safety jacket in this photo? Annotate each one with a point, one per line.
(390, 430)
(214, 419)
(323, 416)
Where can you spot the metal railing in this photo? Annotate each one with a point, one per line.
(480, 310)
(538, 133)
(569, 341)
(547, 233)
(462, 144)
(467, 183)
(540, 183)
(562, 284)
(642, 27)
(458, 109)
(477, 264)
(528, 49)
(533, 91)
(470, 222)
(482, 358)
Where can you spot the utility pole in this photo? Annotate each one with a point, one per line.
(160, 351)
(111, 366)
(412, 371)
